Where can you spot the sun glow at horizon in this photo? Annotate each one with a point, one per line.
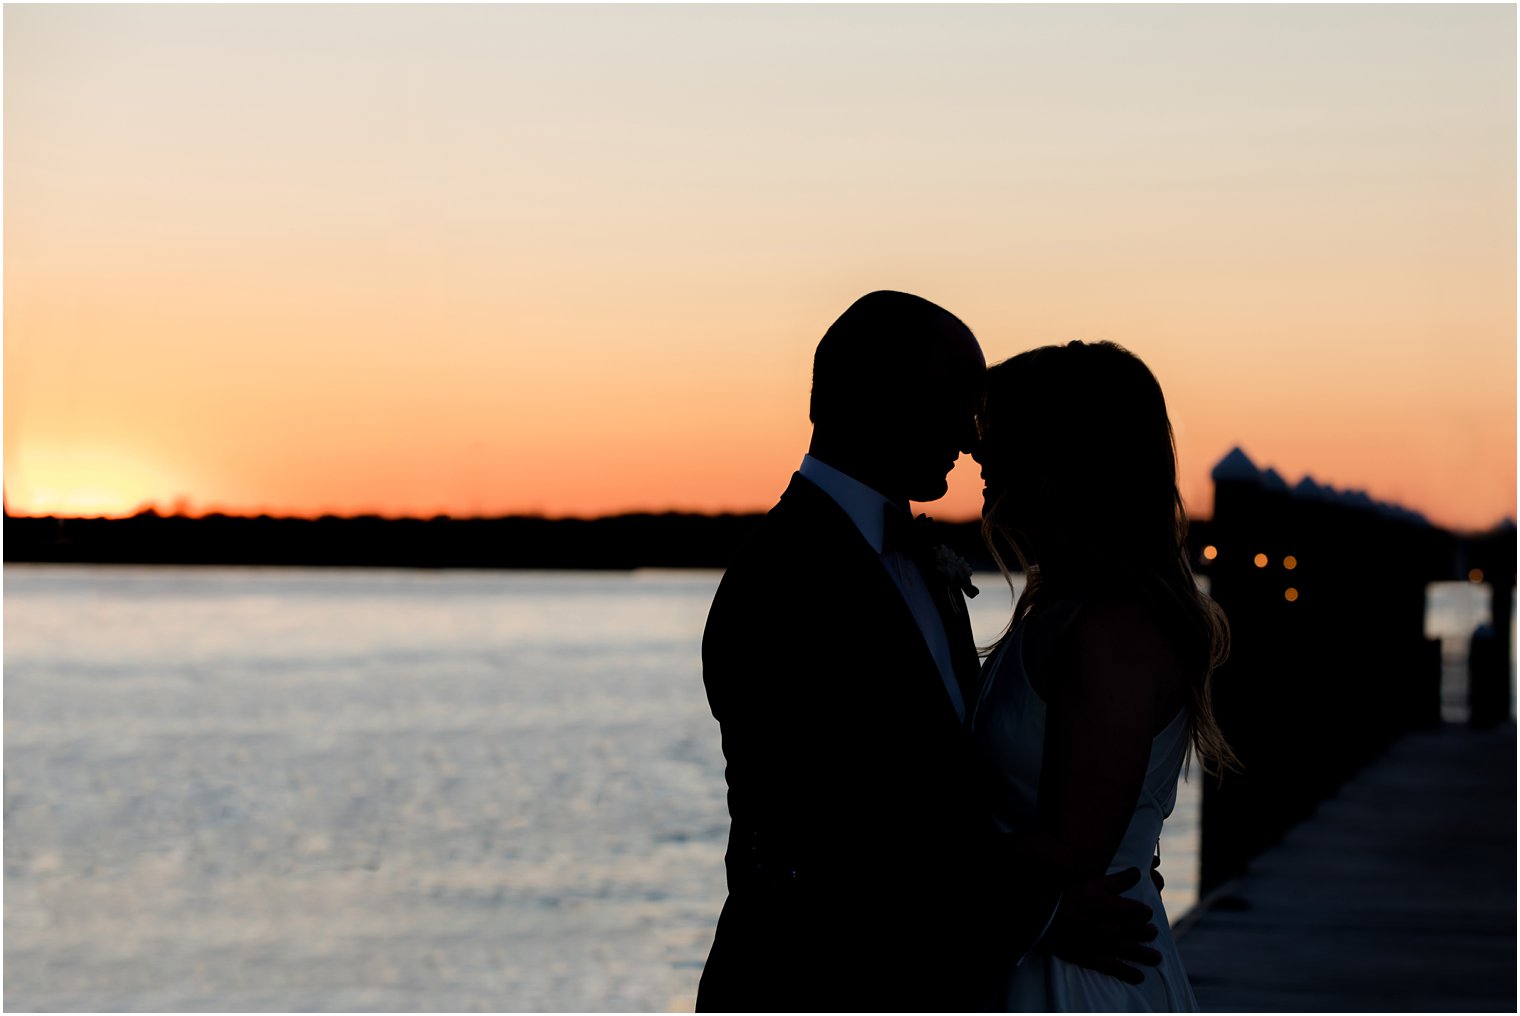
(80, 481)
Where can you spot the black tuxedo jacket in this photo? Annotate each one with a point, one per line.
(861, 858)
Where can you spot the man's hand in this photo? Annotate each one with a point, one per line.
(1097, 928)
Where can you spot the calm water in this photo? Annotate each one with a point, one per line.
(269, 789)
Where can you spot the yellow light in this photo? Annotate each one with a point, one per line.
(84, 479)
(1261, 560)
(1210, 552)
(1290, 594)
(1476, 575)
(1290, 562)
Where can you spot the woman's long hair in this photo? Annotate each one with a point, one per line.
(1077, 441)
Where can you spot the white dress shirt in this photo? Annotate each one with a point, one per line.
(865, 506)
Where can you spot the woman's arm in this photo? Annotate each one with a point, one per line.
(1106, 682)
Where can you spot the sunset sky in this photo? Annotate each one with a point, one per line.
(575, 259)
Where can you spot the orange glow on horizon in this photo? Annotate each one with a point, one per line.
(569, 284)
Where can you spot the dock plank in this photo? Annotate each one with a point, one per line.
(1397, 895)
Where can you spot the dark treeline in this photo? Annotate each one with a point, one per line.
(616, 543)
(621, 542)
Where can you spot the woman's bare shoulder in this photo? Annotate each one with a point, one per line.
(1117, 647)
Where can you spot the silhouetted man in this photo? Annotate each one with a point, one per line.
(863, 870)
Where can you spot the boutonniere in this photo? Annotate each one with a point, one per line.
(953, 569)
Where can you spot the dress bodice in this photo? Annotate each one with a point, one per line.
(1009, 730)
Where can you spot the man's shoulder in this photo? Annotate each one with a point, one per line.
(799, 520)
(780, 559)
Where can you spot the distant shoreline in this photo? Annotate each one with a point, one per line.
(615, 543)
(621, 542)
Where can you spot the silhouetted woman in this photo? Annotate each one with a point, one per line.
(1099, 689)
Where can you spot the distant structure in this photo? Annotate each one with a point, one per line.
(1325, 592)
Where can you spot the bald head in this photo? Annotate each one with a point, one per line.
(896, 384)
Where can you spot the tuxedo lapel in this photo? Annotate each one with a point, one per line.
(953, 613)
(888, 615)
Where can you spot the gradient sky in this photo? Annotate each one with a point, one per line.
(575, 259)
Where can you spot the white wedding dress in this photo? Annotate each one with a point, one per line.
(1009, 728)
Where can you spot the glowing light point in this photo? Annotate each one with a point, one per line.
(1476, 575)
(1290, 562)
(1290, 594)
(1261, 560)
(1210, 552)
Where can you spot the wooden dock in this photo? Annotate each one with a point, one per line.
(1397, 895)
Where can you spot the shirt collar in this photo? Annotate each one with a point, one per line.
(864, 505)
